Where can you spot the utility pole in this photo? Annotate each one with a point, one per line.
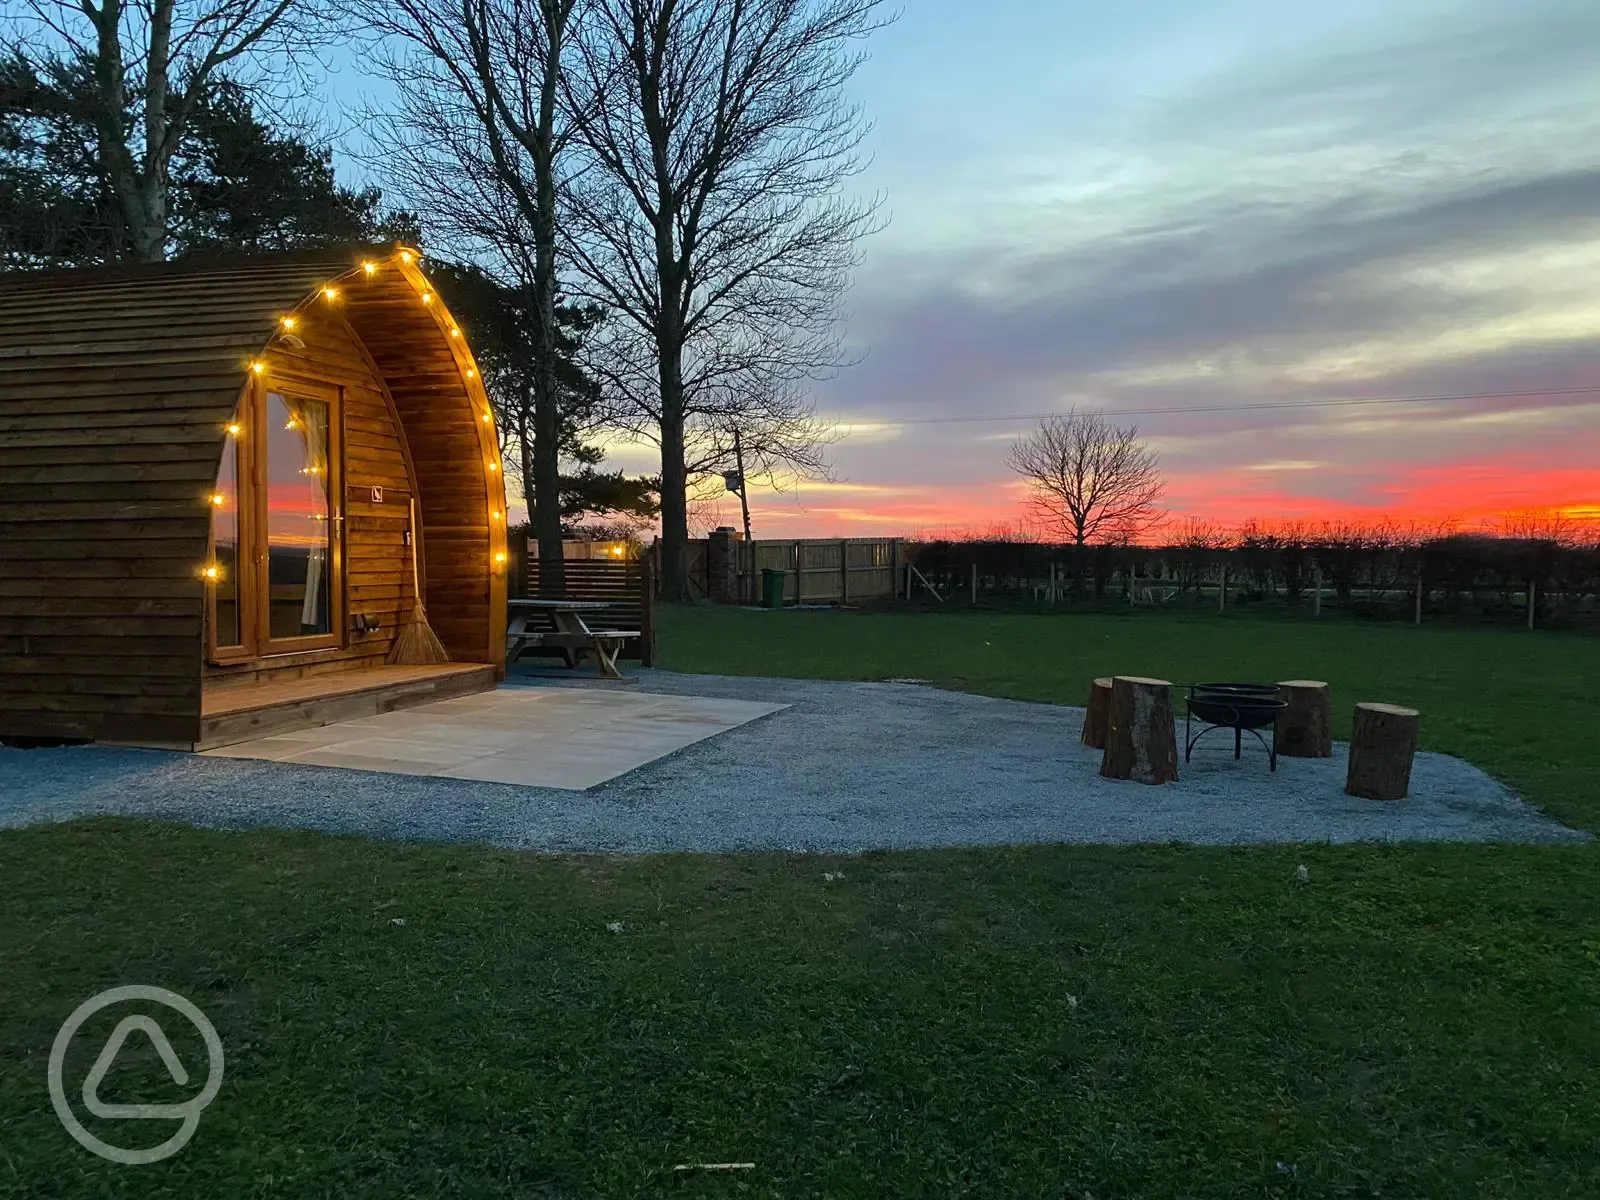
(744, 487)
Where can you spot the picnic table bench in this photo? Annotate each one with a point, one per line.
(570, 633)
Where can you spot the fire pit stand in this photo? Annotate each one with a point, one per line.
(1235, 706)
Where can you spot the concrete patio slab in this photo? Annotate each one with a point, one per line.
(560, 738)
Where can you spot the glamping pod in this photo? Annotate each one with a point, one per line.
(236, 497)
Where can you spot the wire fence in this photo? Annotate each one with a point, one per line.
(1465, 578)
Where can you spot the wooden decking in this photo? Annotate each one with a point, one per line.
(239, 712)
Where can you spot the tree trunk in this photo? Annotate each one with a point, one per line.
(1382, 746)
(546, 388)
(531, 498)
(1303, 729)
(1141, 742)
(674, 504)
(1097, 714)
(674, 474)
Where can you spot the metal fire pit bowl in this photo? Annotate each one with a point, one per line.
(1235, 706)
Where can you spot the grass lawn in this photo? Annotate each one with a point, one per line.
(1144, 1021)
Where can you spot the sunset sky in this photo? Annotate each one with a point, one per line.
(1163, 205)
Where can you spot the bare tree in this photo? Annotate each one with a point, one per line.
(476, 140)
(1090, 480)
(152, 62)
(1539, 525)
(708, 219)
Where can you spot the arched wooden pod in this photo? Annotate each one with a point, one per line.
(116, 389)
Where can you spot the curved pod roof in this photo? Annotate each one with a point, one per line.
(116, 386)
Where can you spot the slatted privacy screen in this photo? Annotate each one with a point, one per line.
(625, 587)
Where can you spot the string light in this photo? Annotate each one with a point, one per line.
(234, 429)
(218, 499)
(332, 293)
(212, 572)
(470, 373)
(486, 418)
(454, 332)
(406, 256)
(258, 366)
(427, 297)
(289, 322)
(494, 466)
(291, 423)
(500, 557)
(494, 514)
(371, 268)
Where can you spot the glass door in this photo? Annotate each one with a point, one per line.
(276, 553)
(300, 519)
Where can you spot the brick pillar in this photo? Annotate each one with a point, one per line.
(722, 569)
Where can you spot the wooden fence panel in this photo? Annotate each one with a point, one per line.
(822, 570)
(627, 587)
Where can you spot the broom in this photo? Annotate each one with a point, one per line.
(417, 643)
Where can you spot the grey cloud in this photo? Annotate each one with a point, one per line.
(1448, 67)
(1246, 277)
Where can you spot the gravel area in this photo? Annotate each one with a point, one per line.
(847, 767)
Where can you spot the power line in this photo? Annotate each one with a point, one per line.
(1217, 408)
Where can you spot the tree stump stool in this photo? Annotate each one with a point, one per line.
(1098, 712)
(1141, 743)
(1303, 729)
(1382, 745)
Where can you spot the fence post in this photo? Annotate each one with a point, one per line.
(1222, 589)
(799, 565)
(974, 583)
(1418, 620)
(1051, 593)
(1316, 591)
(1531, 586)
(844, 571)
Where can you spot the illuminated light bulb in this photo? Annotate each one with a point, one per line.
(371, 268)
(470, 372)
(234, 429)
(210, 572)
(455, 332)
(331, 293)
(218, 499)
(494, 514)
(289, 322)
(406, 256)
(494, 466)
(427, 297)
(258, 367)
(291, 424)
(500, 557)
(486, 418)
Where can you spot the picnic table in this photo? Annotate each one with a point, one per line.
(571, 634)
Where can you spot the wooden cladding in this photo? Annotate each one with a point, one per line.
(116, 387)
